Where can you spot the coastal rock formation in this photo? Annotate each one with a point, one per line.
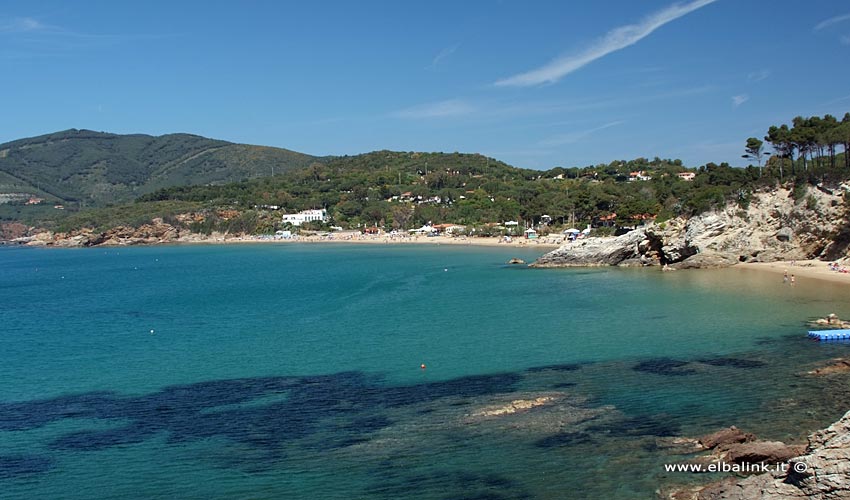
(155, 232)
(13, 230)
(595, 252)
(552, 419)
(758, 452)
(513, 407)
(838, 365)
(723, 437)
(706, 260)
(832, 320)
(773, 227)
(821, 472)
(734, 446)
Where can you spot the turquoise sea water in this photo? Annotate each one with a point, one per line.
(293, 371)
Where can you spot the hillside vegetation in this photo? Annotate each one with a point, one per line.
(398, 190)
(92, 169)
(403, 190)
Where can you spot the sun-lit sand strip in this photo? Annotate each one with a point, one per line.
(542, 244)
(807, 269)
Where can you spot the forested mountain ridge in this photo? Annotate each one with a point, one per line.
(402, 189)
(90, 168)
(181, 173)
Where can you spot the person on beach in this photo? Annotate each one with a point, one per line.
(792, 279)
(785, 277)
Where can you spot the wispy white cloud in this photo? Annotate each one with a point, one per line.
(493, 111)
(23, 25)
(441, 109)
(33, 37)
(757, 76)
(837, 100)
(614, 40)
(445, 53)
(737, 100)
(832, 20)
(560, 107)
(573, 137)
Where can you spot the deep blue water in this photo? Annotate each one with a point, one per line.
(293, 371)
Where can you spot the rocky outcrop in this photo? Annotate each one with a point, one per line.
(821, 471)
(706, 260)
(155, 232)
(761, 452)
(513, 407)
(773, 227)
(596, 252)
(724, 437)
(832, 320)
(734, 446)
(838, 365)
(12, 230)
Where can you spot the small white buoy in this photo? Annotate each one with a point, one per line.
(445, 270)
(151, 331)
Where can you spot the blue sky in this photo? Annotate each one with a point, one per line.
(537, 84)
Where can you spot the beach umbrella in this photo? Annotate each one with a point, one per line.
(571, 230)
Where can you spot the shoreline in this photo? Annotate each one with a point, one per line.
(493, 242)
(808, 269)
(488, 241)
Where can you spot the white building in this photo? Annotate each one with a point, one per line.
(640, 175)
(306, 216)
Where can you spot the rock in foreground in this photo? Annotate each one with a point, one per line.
(821, 473)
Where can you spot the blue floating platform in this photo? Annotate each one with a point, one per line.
(829, 334)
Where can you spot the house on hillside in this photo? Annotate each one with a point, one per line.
(608, 220)
(686, 176)
(306, 216)
(639, 175)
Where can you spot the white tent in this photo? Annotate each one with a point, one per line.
(424, 229)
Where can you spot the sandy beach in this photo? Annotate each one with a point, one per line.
(801, 269)
(543, 243)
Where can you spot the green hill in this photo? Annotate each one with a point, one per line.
(86, 168)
